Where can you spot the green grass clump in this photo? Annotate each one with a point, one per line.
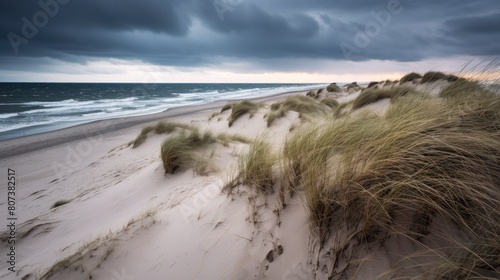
(298, 103)
(60, 203)
(242, 108)
(372, 84)
(333, 88)
(410, 77)
(177, 152)
(373, 95)
(274, 115)
(226, 107)
(426, 164)
(330, 102)
(226, 138)
(159, 128)
(432, 77)
(463, 88)
(255, 168)
(311, 93)
(342, 109)
(452, 78)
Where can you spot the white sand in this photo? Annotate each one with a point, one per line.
(128, 220)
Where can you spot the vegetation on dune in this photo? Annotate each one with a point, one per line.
(373, 95)
(298, 103)
(159, 128)
(426, 164)
(432, 77)
(60, 203)
(225, 138)
(242, 108)
(255, 169)
(333, 88)
(372, 84)
(177, 152)
(311, 93)
(410, 77)
(226, 107)
(452, 78)
(353, 87)
(464, 88)
(330, 102)
(342, 109)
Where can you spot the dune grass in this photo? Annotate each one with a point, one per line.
(464, 88)
(298, 103)
(225, 139)
(373, 95)
(353, 87)
(159, 128)
(410, 77)
(60, 203)
(333, 88)
(226, 107)
(372, 84)
(342, 109)
(432, 76)
(330, 102)
(427, 162)
(255, 169)
(177, 152)
(242, 108)
(311, 93)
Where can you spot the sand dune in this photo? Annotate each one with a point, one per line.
(127, 219)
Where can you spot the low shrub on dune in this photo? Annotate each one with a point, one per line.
(311, 93)
(333, 88)
(353, 87)
(330, 102)
(225, 138)
(452, 78)
(373, 95)
(464, 88)
(410, 77)
(432, 77)
(255, 169)
(226, 107)
(300, 104)
(178, 152)
(159, 128)
(242, 108)
(60, 203)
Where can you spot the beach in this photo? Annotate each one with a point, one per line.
(94, 202)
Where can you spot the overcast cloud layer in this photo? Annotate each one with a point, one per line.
(207, 33)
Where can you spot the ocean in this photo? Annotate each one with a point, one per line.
(31, 108)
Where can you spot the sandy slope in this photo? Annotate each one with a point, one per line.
(128, 220)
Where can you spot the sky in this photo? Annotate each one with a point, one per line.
(261, 41)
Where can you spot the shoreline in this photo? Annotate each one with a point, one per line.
(39, 141)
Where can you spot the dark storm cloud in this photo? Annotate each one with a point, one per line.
(168, 32)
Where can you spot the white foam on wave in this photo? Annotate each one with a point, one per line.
(6, 116)
(85, 111)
